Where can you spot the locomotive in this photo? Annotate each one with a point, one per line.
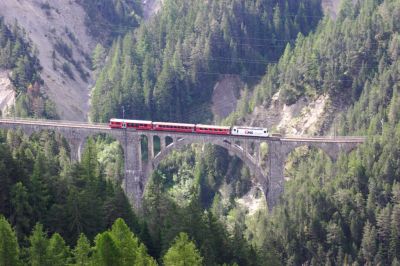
(187, 128)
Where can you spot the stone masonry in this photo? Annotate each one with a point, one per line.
(137, 172)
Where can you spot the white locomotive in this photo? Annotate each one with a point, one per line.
(250, 131)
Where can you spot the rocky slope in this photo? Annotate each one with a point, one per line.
(151, 7)
(331, 7)
(57, 30)
(7, 92)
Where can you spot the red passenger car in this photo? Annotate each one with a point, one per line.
(214, 130)
(126, 123)
(175, 127)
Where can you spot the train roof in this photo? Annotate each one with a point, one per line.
(173, 124)
(211, 126)
(130, 121)
(250, 128)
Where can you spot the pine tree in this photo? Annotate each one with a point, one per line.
(38, 249)
(21, 209)
(395, 233)
(132, 252)
(58, 251)
(9, 249)
(183, 252)
(89, 162)
(368, 243)
(98, 57)
(384, 232)
(7, 165)
(82, 251)
(107, 252)
(39, 194)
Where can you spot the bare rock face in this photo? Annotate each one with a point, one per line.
(58, 32)
(305, 117)
(151, 7)
(225, 96)
(7, 93)
(331, 7)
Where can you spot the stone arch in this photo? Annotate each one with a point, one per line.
(77, 140)
(331, 149)
(241, 153)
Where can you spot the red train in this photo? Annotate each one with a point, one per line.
(188, 128)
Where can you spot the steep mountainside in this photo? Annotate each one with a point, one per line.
(168, 68)
(7, 93)
(331, 7)
(57, 29)
(151, 7)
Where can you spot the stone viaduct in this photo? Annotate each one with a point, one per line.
(137, 172)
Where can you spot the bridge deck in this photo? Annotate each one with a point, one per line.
(104, 128)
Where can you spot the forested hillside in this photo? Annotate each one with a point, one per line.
(166, 70)
(17, 55)
(109, 19)
(344, 212)
(336, 60)
(201, 205)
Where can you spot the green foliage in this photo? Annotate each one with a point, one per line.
(82, 251)
(58, 251)
(183, 252)
(9, 249)
(120, 247)
(39, 184)
(67, 70)
(39, 245)
(338, 60)
(109, 19)
(177, 195)
(98, 57)
(341, 213)
(18, 55)
(167, 69)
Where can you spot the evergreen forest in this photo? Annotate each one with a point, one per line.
(18, 56)
(345, 212)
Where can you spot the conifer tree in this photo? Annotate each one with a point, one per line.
(368, 244)
(21, 209)
(82, 251)
(39, 195)
(38, 249)
(9, 249)
(132, 252)
(183, 252)
(106, 252)
(58, 251)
